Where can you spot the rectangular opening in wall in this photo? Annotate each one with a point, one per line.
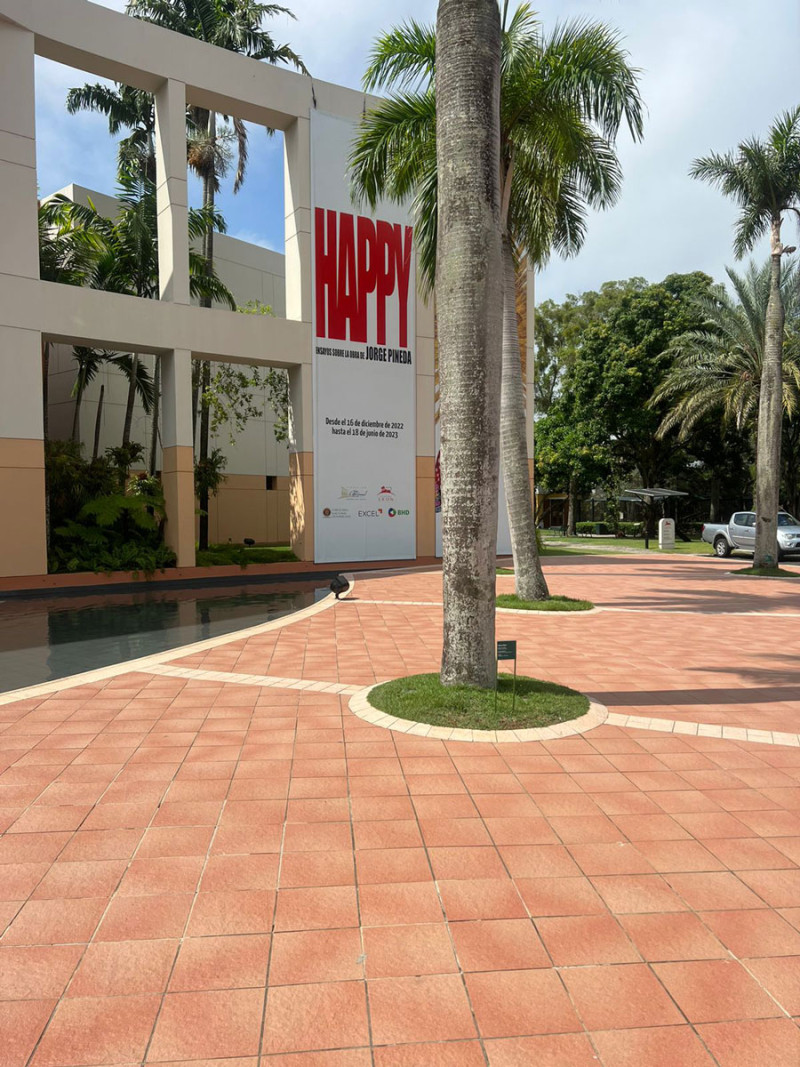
(271, 482)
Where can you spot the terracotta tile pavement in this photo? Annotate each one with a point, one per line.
(194, 870)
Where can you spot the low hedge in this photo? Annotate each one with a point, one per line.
(630, 529)
(586, 528)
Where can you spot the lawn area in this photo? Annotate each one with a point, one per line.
(553, 603)
(556, 544)
(423, 698)
(242, 555)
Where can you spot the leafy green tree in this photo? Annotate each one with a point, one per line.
(237, 26)
(601, 428)
(563, 99)
(763, 179)
(719, 365)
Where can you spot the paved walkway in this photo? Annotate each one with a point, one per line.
(197, 869)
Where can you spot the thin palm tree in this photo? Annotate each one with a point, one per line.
(65, 257)
(719, 365)
(237, 26)
(90, 362)
(563, 99)
(125, 108)
(468, 281)
(125, 258)
(763, 179)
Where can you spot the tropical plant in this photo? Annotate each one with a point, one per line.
(719, 365)
(237, 26)
(89, 361)
(563, 99)
(125, 257)
(763, 179)
(126, 108)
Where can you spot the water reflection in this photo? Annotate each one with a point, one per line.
(42, 639)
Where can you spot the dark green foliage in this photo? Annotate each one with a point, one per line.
(242, 556)
(585, 528)
(99, 521)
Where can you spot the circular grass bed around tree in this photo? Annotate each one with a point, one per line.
(553, 603)
(423, 698)
(766, 572)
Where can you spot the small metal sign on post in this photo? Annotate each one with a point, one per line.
(507, 650)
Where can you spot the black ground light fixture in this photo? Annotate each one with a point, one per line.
(339, 585)
(249, 541)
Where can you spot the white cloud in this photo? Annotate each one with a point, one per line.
(713, 74)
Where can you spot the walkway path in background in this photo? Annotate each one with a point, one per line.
(199, 868)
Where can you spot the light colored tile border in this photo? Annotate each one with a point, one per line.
(269, 681)
(147, 663)
(704, 729)
(361, 707)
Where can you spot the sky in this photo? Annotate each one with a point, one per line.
(712, 74)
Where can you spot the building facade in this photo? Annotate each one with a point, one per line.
(391, 340)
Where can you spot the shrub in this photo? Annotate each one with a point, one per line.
(585, 528)
(99, 522)
(630, 529)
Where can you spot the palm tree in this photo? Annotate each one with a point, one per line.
(90, 361)
(469, 330)
(563, 99)
(235, 25)
(763, 179)
(125, 257)
(125, 108)
(66, 257)
(719, 366)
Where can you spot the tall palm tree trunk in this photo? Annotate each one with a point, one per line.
(98, 422)
(209, 190)
(156, 409)
(76, 416)
(126, 426)
(529, 581)
(469, 289)
(770, 419)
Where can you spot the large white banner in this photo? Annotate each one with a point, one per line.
(364, 293)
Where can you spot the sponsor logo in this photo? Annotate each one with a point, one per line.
(385, 495)
(350, 492)
(326, 512)
(398, 512)
(336, 513)
(368, 514)
(392, 513)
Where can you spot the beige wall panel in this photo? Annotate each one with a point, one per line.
(23, 543)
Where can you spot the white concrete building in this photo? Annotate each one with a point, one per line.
(351, 316)
(254, 498)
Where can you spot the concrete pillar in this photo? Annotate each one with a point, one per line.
(298, 265)
(177, 464)
(171, 192)
(23, 540)
(297, 188)
(301, 462)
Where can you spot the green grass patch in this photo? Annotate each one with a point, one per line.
(243, 555)
(766, 572)
(423, 698)
(553, 603)
(598, 545)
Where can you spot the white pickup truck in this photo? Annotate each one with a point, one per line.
(740, 534)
